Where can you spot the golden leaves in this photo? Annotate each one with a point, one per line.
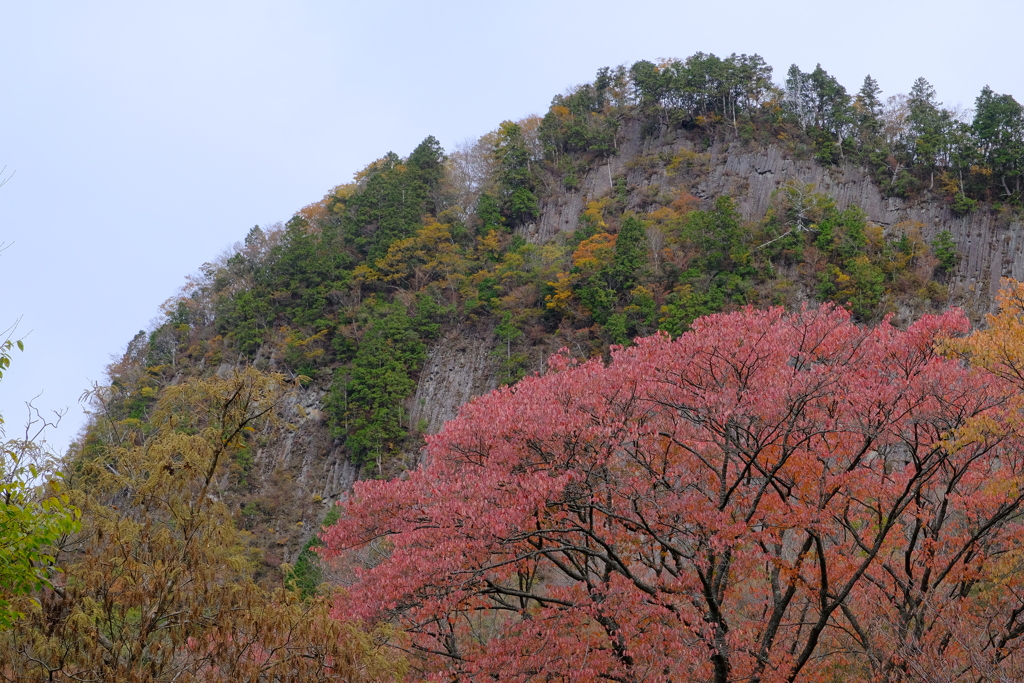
(428, 256)
(998, 349)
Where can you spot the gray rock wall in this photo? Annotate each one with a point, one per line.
(991, 245)
(458, 367)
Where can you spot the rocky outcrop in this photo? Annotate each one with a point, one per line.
(991, 244)
(300, 469)
(458, 367)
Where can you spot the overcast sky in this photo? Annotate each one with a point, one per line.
(148, 137)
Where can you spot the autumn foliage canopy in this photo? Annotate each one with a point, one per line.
(770, 497)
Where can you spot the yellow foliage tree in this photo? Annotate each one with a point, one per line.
(1000, 347)
(430, 255)
(594, 252)
(594, 213)
(562, 298)
(157, 585)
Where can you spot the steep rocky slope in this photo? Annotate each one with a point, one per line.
(306, 469)
(989, 242)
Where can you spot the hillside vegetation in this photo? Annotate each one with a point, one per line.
(354, 288)
(287, 368)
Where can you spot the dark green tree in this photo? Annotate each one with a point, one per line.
(718, 238)
(630, 253)
(427, 166)
(367, 398)
(867, 108)
(929, 127)
(516, 178)
(998, 127)
(944, 248)
(392, 201)
(489, 213)
(650, 84)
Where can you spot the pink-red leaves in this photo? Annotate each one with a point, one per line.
(769, 497)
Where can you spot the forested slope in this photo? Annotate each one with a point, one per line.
(656, 194)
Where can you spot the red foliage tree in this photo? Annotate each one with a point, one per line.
(770, 497)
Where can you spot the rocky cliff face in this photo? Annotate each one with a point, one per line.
(302, 470)
(459, 367)
(299, 471)
(991, 244)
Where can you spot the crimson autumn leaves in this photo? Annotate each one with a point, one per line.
(770, 497)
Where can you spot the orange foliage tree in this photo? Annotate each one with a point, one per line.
(1000, 347)
(769, 497)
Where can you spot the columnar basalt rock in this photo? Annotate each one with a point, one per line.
(991, 244)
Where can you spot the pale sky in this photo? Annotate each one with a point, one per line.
(148, 137)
